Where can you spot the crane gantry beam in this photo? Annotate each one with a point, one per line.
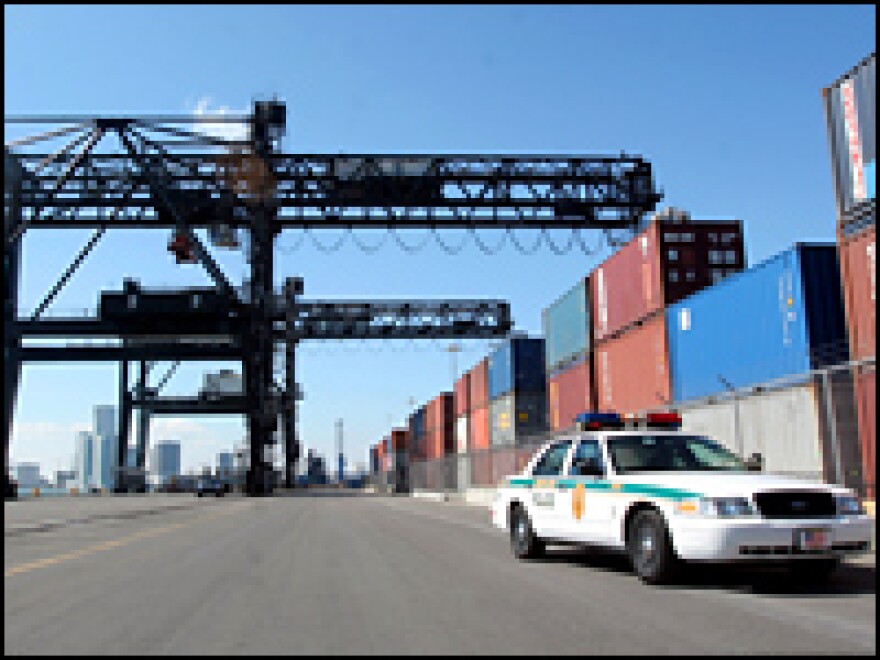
(164, 172)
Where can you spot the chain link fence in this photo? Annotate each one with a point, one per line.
(819, 425)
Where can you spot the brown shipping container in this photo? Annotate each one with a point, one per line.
(667, 262)
(570, 392)
(479, 394)
(866, 403)
(462, 392)
(632, 370)
(399, 440)
(858, 266)
(478, 429)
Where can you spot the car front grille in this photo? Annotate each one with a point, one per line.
(796, 504)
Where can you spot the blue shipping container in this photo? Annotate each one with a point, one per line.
(784, 316)
(566, 325)
(517, 365)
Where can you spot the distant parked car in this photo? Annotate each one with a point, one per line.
(209, 486)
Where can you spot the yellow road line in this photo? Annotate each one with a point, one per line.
(107, 545)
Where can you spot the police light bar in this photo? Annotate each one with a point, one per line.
(668, 419)
(598, 420)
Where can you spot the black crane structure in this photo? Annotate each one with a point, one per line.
(162, 172)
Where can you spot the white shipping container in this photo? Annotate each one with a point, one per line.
(788, 427)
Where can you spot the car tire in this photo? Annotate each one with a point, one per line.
(814, 570)
(199, 494)
(523, 541)
(650, 548)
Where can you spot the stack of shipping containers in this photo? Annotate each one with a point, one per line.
(518, 400)
(398, 463)
(671, 259)
(850, 110)
(477, 412)
(568, 356)
(774, 322)
(438, 442)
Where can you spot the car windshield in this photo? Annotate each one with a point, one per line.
(669, 453)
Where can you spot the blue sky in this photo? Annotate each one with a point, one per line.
(724, 101)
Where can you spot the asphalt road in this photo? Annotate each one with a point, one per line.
(342, 574)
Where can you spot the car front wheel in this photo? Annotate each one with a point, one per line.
(523, 541)
(650, 548)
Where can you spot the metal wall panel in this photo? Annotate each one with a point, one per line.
(790, 428)
(567, 326)
(755, 326)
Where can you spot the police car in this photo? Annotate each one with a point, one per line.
(666, 497)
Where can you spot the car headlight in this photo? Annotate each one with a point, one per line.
(717, 507)
(849, 505)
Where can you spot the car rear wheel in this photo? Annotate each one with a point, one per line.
(523, 541)
(650, 548)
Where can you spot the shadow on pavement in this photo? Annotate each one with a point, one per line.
(850, 579)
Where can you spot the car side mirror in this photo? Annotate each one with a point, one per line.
(755, 463)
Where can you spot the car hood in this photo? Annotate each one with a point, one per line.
(723, 484)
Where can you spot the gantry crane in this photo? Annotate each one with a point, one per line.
(161, 172)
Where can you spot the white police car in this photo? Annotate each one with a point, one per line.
(665, 496)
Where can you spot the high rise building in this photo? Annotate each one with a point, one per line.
(106, 423)
(225, 460)
(166, 461)
(84, 458)
(28, 475)
(104, 461)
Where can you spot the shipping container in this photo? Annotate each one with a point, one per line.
(667, 262)
(567, 326)
(790, 428)
(866, 404)
(440, 432)
(850, 113)
(461, 434)
(478, 429)
(859, 271)
(782, 317)
(416, 428)
(462, 393)
(632, 369)
(569, 393)
(479, 390)
(399, 441)
(517, 416)
(517, 366)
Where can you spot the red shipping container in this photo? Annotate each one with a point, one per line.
(632, 370)
(570, 392)
(866, 405)
(462, 395)
(667, 262)
(478, 429)
(439, 426)
(479, 394)
(859, 274)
